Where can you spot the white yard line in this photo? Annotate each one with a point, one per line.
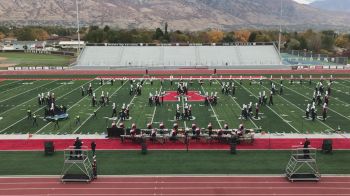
(67, 110)
(12, 88)
(27, 91)
(309, 98)
(347, 81)
(2, 85)
(300, 109)
(272, 110)
(216, 116)
(42, 107)
(155, 109)
(96, 110)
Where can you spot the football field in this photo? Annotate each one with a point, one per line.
(286, 115)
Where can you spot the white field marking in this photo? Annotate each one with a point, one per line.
(346, 81)
(216, 116)
(43, 106)
(155, 109)
(27, 91)
(328, 108)
(23, 104)
(11, 89)
(96, 110)
(240, 107)
(300, 109)
(68, 109)
(271, 109)
(2, 85)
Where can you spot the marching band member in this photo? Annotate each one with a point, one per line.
(324, 111)
(210, 129)
(149, 125)
(161, 125)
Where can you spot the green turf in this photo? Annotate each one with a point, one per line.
(286, 115)
(30, 59)
(171, 162)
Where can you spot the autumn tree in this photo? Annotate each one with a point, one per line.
(39, 34)
(341, 42)
(215, 36)
(242, 35)
(2, 35)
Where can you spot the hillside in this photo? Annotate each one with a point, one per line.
(180, 14)
(333, 5)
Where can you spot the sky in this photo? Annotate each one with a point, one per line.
(305, 1)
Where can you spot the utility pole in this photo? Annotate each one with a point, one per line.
(280, 32)
(78, 26)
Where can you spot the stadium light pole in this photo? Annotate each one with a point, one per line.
(280, 32)
(78, 25)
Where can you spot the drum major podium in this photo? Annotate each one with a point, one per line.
(302, 165)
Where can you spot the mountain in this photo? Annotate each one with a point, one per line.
(180, 14)
(333, 5)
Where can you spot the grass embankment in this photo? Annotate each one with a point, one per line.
(171, 162)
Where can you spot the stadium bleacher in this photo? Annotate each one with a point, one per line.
(178, 56)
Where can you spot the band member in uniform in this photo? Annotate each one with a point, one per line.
(281, 89)
(329, 88)
(93, 100)
(324, 112)
(29, 114)
(210, 129)
(90, 90)
(34, 121)
(114, 110)
(313, 111)
(173, 134)
(326, 98)
(161, 125)
(271, 99)
(77, 120)
(82, 91)
(114, 125)
(194, 127)
(226, 126)
(256, 111)
(240, 130)
(149, 125)
(307, 111)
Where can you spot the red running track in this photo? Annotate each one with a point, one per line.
(115, 144)
(174, 72)
(176, 186)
